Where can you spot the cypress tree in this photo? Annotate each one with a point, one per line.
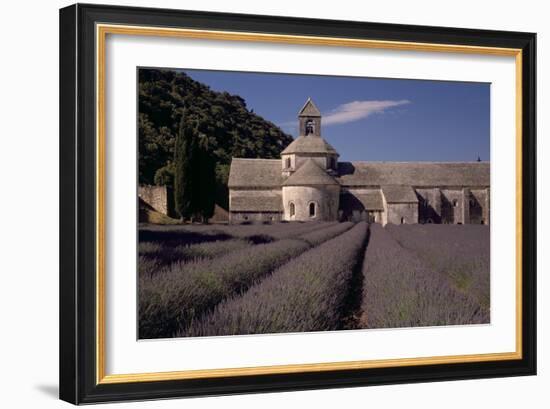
(207, 183)
(184, 183)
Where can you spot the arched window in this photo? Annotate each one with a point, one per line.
(287, 163)
(312, 209)
(310, 127)
(292, 209)
(455, 203)
(402, 220)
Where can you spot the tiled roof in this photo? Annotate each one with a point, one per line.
(309, 144)
(309, 109)
(264, 173)
(399, 194)
(416, 174)
(309, 174)
(362, 201)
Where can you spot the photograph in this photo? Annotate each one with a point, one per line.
(256, 201)
(289, 203)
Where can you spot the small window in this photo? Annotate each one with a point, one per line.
(402, 220)
(287, 163)
(310, 127)
(292, 209)
(455, 203)
(312, 209)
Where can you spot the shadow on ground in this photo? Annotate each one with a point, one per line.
(50, 390)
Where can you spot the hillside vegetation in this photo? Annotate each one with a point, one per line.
(226, 127)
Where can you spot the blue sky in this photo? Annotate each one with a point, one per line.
(372, 119)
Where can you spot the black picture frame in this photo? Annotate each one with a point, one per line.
(78, 235)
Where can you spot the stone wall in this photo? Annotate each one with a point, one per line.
(429, 205)
(254, 193)
(296, 161)
(452, 207)
(479, 206)
(257, 199)
(325, 199)
(155, 196)
(402, 213)
(254, 217)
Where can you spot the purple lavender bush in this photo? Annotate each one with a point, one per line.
(401, 290)
(461, 252)
(171, 298)
(155, 254)
(306, 294)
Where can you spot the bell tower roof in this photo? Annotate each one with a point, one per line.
(309, 140)
(309, 109)
(310, 145)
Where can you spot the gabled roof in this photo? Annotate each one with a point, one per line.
(256, 203)
(309, 144)
(309, 174)
(309, 109)
(262, 173)
(362, 201)
(416, 174)
(399, 194)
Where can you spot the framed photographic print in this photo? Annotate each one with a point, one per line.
(258, 203)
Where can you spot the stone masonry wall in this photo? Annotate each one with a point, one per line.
(155, 196)
(402, 213)
(325, 198)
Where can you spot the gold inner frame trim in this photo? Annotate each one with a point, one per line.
(102, 30)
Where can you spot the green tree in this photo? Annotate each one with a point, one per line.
(165, 175)
(205, 177)
(227, 127)
(185, 154)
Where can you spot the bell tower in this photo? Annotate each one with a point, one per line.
(309, 144)
(310, 119)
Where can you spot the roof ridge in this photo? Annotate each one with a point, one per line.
(264, 159)
(316, 111)
(416, 162)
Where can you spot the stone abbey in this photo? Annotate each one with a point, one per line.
(309, 183)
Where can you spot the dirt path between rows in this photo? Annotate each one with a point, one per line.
(351, 311)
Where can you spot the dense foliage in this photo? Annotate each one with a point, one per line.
(226, 127)
(194, 173)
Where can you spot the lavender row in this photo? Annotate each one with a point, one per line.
(172, 298)
(153, 256)
(462, 253)
(306, 294)
(401, 290)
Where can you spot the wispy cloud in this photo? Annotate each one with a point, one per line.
(356, 110)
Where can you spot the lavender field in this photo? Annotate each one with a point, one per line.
(208, 280)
